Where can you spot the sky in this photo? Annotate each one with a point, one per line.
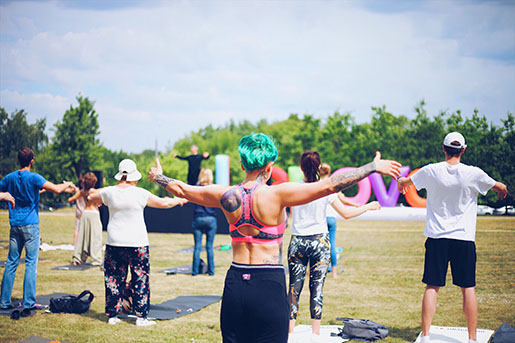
(159, 70)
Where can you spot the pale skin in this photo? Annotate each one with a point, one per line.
(6, 196)
(269, 202)
(429, 300)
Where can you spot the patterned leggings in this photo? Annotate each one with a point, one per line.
(116, 264)
(314, 250)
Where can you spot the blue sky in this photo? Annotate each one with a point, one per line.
(158, 70)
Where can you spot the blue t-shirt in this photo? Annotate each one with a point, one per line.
(24, 186)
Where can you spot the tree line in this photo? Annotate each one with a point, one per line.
(75, 148)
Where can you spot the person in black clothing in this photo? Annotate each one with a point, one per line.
(194, 161)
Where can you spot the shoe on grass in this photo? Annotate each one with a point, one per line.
(27, 312)
(113, 320)
(144, 322)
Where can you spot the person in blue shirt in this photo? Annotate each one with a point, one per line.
(24, 186)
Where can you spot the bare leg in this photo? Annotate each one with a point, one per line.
(315, 326)
(335, 273)
(428, 308)
(292, 326)
(470, 310)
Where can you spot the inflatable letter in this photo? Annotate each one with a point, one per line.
(364, 189)
(279, 175)
(222, 170)
(412, 197)
(386, 199)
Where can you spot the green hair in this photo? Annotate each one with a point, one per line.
(256, 150)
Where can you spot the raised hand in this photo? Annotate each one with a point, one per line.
(154, 171)
(387, 167)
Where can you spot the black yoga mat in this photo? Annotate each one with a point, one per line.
(82, 266)
(42, 303)
(22, 261)
(179, 306)
(186, 269)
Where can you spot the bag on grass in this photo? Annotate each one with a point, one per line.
(71, 303)
(362, 329)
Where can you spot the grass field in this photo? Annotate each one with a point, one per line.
(383, 264)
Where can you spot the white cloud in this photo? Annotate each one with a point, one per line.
(165, 70)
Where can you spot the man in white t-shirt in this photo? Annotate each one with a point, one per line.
(452, 190)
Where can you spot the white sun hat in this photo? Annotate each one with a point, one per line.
(128, 168)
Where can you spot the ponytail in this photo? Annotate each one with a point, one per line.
(310, 165)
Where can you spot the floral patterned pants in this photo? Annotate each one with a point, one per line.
(116, 264)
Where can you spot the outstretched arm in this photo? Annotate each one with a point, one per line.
(207, 195)
(501, 189)
(6, 196)
(346, 200)
(351, 212)
(66, 186)
(293, 194)
(157, 202)
(75, 196)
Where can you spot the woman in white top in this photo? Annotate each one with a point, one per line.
(310, 244)
(127, 241)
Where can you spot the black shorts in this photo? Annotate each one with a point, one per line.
(461, 254)
(254, 305)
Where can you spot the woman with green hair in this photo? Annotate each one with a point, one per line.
(255, 304)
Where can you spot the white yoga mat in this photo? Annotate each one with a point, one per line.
(302, 333)
(446, 334)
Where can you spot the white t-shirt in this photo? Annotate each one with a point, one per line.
(126, 227)
(452, 192)
(310, 218)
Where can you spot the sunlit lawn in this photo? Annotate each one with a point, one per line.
(382, 263)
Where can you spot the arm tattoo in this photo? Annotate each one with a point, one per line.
(163, 180)
(346, 179)
(230, 200)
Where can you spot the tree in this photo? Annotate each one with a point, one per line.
(75, 143)
(17, 133)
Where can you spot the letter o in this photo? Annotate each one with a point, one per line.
(412, 197)
(364, 188)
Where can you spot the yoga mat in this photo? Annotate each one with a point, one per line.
(302, 334)
(35, 339)
(42, 303)
(179, 306)
(446, 334)
(82, 266)
(22, 261)
(190, 249)
(185, 269)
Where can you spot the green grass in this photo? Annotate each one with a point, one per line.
(383, 264)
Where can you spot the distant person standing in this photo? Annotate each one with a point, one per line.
(204, 222)
(194, 162)
(24, 186)
(89, 237)
(80, 204)
(452, 190)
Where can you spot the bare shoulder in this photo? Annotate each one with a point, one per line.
(231, 199)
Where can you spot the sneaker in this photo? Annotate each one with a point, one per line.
(316, 338)
(113, 320)
(424, 339)
(294, 338)
(144, 322)
(27, 312)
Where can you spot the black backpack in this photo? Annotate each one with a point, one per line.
(362, 330)
(71, 303)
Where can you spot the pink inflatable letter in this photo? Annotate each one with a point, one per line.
(364, 189)
(386, 199)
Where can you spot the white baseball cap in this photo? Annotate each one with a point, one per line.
(128, 168)
(454, 140)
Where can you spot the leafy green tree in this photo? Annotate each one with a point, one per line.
(17, 133)
(75, 145)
